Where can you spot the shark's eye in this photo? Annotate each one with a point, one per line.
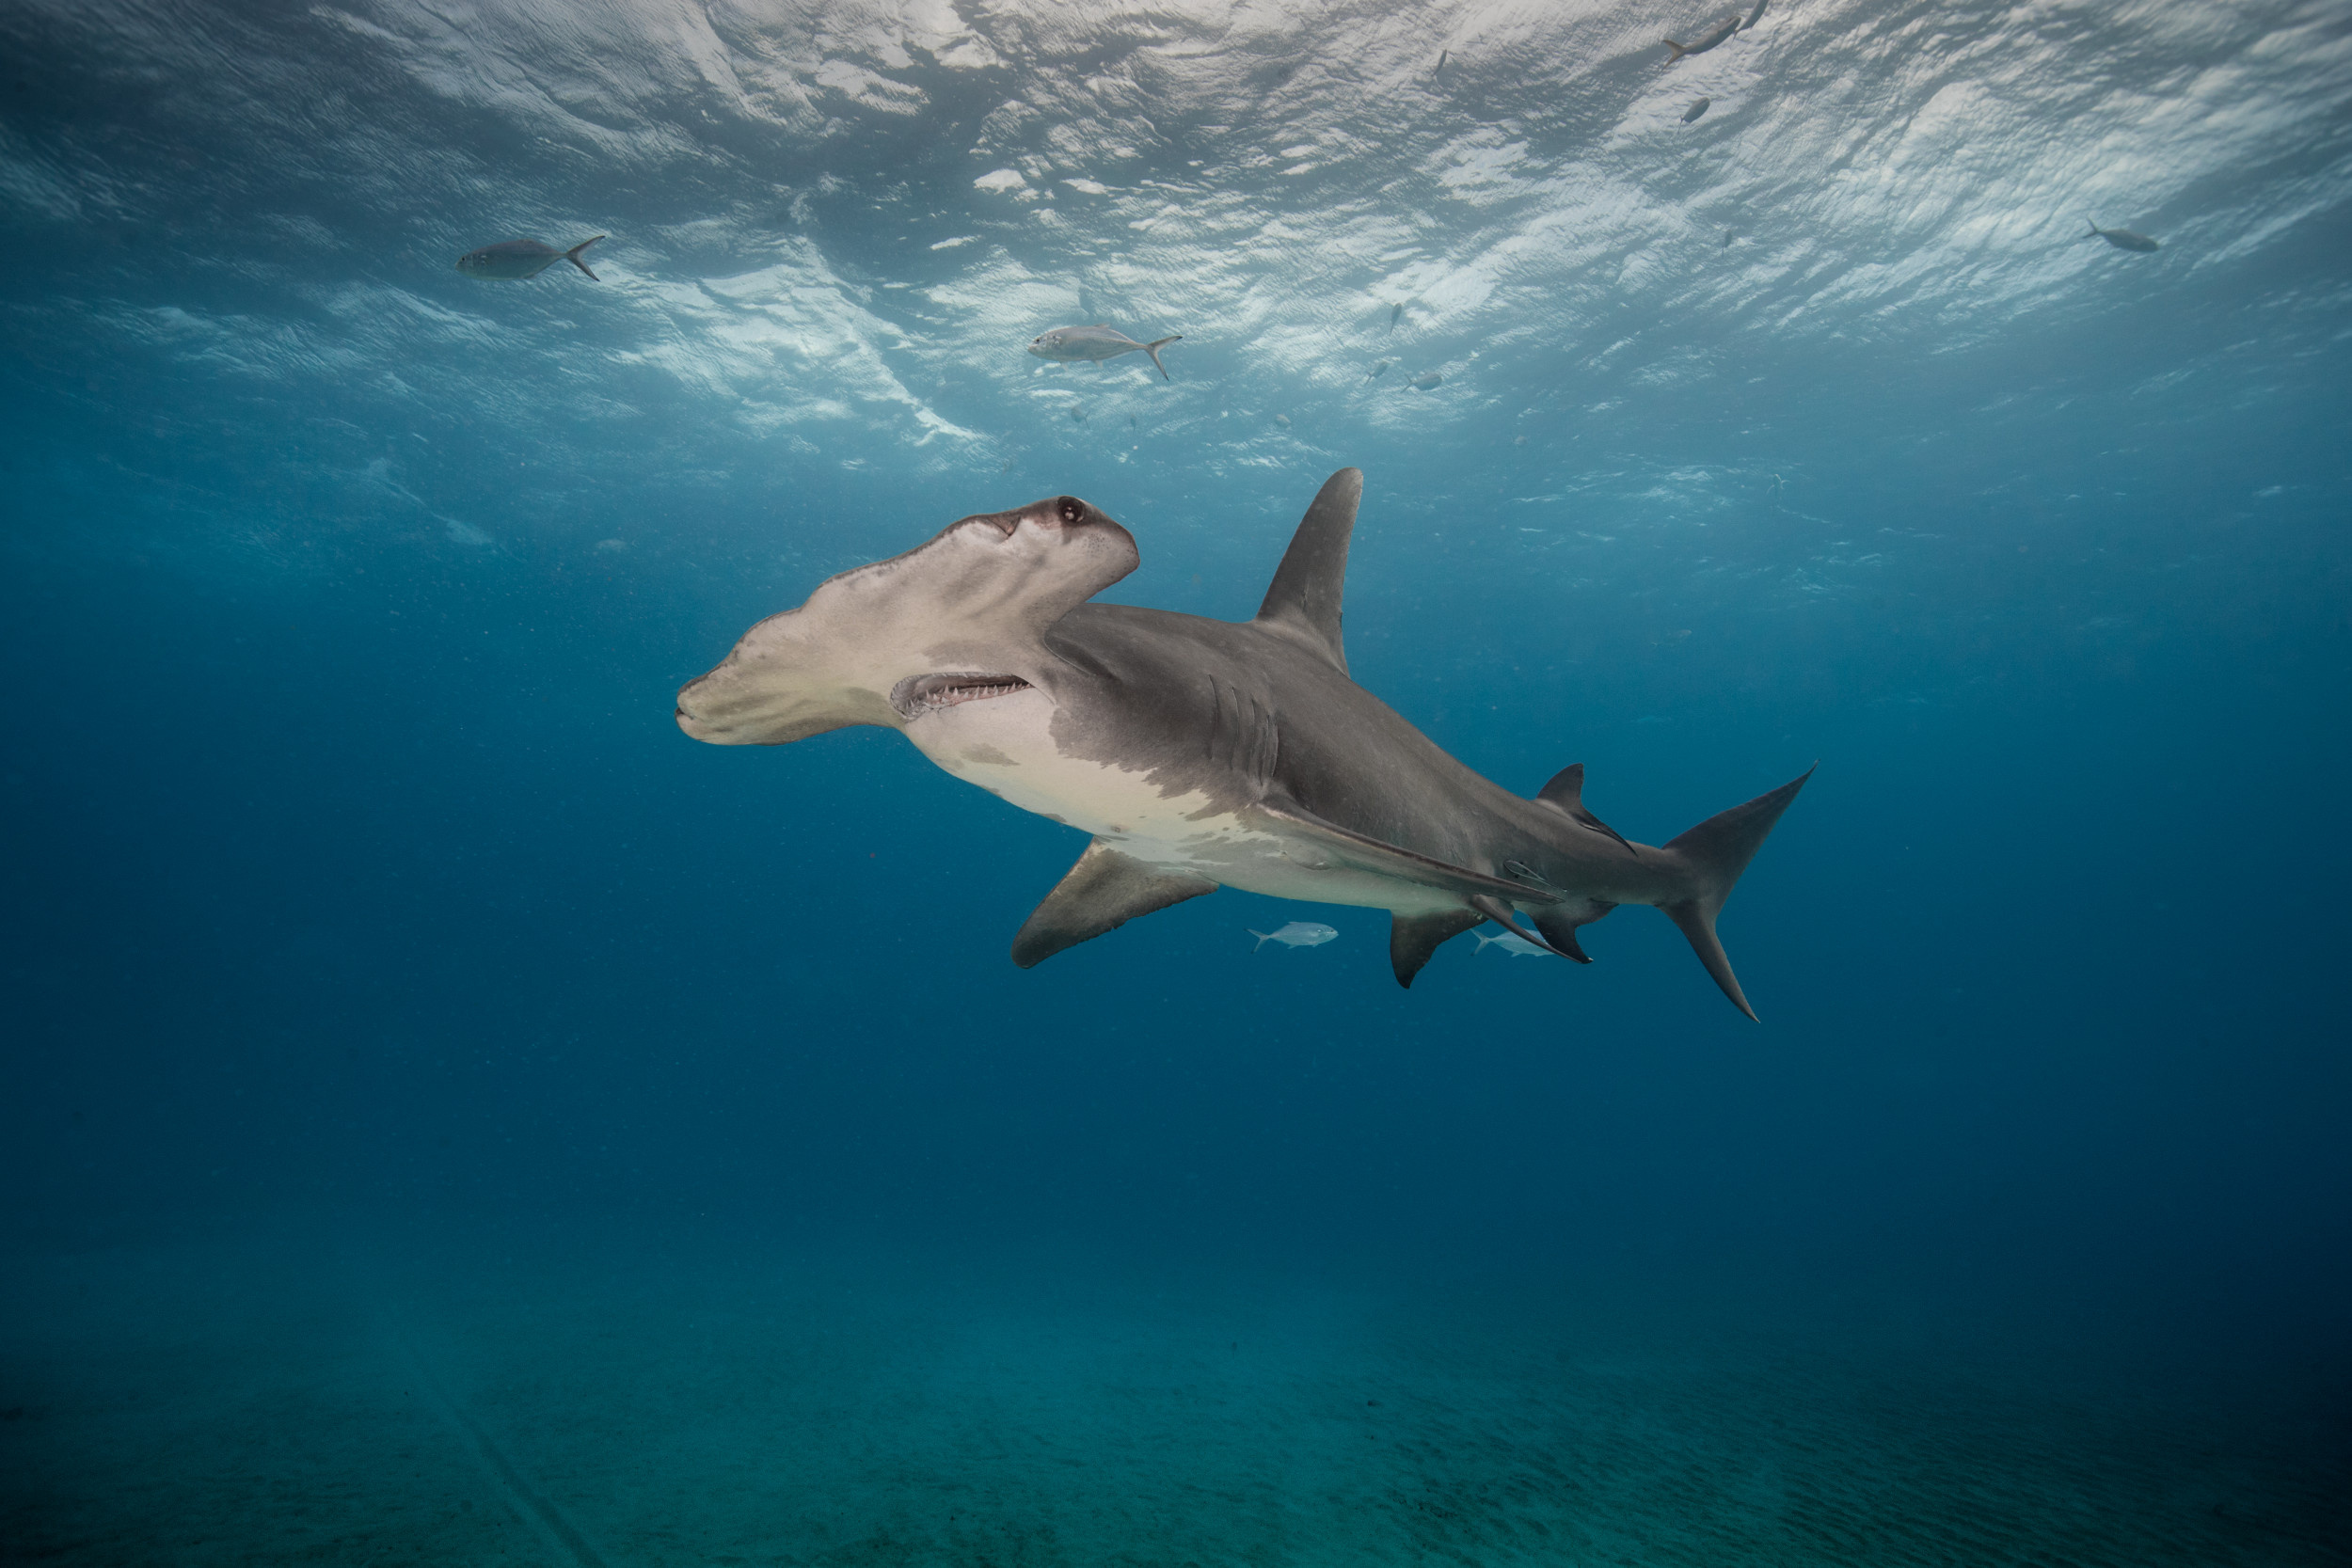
(1071, 509)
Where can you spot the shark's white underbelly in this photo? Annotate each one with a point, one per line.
(1003, 745)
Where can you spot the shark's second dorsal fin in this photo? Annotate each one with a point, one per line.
(1304, 602)
(1567, 791)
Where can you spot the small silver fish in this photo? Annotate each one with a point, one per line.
(1097, 344)
(1427, 381)
(1723, 31)
(1394, 311)
(1298, 933)
(512, 260)
(1698, 107)
(1376, 370)
(1517, 947)
(2124, 239)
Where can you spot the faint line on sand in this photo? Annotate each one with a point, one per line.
(536, 1512)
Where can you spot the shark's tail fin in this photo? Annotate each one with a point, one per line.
(572, 257)
(1153, 347)
(1717, 850)
(1679, 51)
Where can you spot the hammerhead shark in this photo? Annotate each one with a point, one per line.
(1201, 753)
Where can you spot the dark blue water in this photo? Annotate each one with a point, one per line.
(449, 1116)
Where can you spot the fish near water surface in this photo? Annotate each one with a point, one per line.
(512, 260)
(1698, 107)
(1722, 30)
(2124, 239)
(1096, 343)
(1201, 753)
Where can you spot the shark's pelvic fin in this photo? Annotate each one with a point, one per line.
(1303, 604)
(1717, 850)
(1413, 938)
(1344, 847)
(1567, 791)
(1103, 891)
(1500, 912)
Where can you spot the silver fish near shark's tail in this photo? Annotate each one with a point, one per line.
(1153, 347)
(1715, 852)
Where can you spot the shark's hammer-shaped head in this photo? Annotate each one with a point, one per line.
(959, 619)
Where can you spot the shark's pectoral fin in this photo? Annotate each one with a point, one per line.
(1412, 938)
(1322, 845)
(1104, 890)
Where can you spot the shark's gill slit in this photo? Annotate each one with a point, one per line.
(930, 693)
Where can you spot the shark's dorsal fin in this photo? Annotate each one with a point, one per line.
(1567, 791)
(1304, 602)
(1103, 891)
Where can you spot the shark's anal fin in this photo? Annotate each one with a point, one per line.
(1103, 891)
(1559, 922)
(1413, 938)
(1303, 602)
(1346, 847)
(1567, 792)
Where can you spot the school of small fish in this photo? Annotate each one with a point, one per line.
(515, 260)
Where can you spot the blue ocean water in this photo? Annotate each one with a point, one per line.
(447, 1116)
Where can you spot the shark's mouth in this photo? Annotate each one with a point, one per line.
(922, 694)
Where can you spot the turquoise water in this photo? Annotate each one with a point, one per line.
(447, 1116)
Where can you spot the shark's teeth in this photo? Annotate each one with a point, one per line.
(923, 694)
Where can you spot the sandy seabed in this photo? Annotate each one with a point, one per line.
(412, 1404)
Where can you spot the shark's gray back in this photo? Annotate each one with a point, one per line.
(1238, 710)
